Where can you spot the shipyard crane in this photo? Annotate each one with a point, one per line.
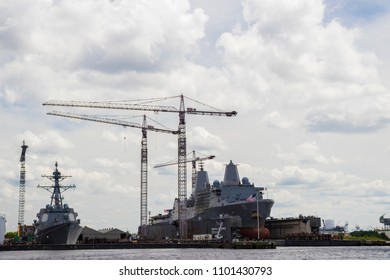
(193, 160)
(144, 153)
(182, 141)
(22, 189)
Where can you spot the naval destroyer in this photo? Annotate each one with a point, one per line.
(57, 223)
(231, 209)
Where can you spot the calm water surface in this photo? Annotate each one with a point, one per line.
(280, 253)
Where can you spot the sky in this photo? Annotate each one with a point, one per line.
(308, 78)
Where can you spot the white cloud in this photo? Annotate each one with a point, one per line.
(202, 140)
(277, 120)
(308, 153)
(287, 56)
(110, 136)
(358, 115)
(59, 48)
(48, 141)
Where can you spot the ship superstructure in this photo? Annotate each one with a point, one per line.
(57, 223)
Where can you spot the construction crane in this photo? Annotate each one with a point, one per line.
(144, 153)
(22, 189)
(182, 141)
(193, 160)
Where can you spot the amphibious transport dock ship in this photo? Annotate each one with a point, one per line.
(225, 210)
(57, 223)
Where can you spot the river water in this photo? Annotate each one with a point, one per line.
(280, 253)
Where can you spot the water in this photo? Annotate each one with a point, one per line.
(280, 253)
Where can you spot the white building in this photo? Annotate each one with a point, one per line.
(328, 224)
(2, 228)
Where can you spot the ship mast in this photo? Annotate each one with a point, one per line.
(56, 197)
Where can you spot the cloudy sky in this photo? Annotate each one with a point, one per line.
(308, 78)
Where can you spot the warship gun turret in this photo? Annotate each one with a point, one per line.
(57, 223)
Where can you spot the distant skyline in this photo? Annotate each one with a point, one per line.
(308, 78)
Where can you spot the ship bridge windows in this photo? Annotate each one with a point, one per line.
(44, 217)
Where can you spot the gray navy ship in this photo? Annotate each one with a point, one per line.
(57, 223)
(226, 210)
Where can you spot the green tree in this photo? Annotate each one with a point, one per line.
(11, 235)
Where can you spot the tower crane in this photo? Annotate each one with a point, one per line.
(193, 160)
(22, 189)
(182, 141)
(144, 153)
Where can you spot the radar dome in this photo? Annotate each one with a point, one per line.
(245, 181)
(216, 184)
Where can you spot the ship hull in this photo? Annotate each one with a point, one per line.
(246, 210)
(240, 217)
(252, 216)
(65, 233)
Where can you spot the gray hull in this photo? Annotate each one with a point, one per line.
(66, 233)
(247, 211)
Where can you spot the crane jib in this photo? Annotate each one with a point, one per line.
(193, 111)
(126, 106)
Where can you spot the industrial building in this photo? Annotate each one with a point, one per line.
(89, 235)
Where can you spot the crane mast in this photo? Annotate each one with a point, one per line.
(22, 189)
(182, 172)
(182, 141)
(144, 153)
(144, 181)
